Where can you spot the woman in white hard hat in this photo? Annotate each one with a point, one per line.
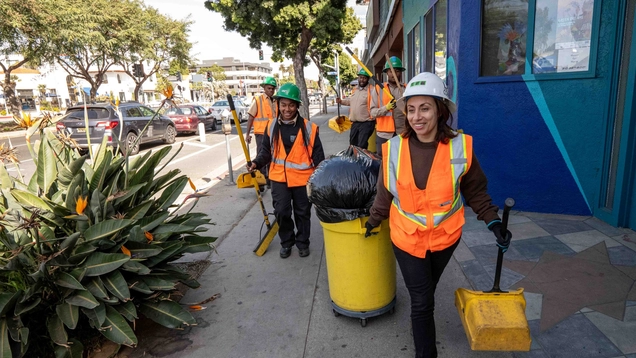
(425, 172)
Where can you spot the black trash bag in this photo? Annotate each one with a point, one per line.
(343, 186)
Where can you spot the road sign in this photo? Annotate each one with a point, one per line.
(332, 73)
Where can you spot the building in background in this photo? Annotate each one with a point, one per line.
(52, 84)
(546, 87)
(242, 78)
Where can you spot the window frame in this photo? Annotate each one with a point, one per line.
(528, 74)
(423, 33)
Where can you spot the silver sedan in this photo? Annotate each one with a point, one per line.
(241, 109)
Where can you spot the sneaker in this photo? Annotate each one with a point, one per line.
(285, 252)
(303, 252)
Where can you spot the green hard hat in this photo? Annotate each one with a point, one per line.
(362, 72)
(269, 81)
(395, 62)
(289, 91)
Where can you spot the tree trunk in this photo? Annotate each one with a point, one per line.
(318, 61)
(10, 97)
(299, 69)
(138, 88)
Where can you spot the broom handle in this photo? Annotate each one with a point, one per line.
(510, 202)
(338, 95)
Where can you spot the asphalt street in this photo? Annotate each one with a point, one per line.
(202, 161)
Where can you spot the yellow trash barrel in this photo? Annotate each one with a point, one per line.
(371, 143)
(361, 271)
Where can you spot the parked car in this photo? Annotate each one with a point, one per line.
(241, 109)
(103, 121)
(186, 118)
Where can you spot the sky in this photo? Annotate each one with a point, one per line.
(211, 41)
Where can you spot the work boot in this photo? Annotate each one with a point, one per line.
(303, 252)
(285, 252)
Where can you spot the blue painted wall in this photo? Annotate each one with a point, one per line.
(547, 154)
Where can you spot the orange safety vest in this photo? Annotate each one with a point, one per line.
(384, 123)
(429, 219)
(296, 167)
(264, 112)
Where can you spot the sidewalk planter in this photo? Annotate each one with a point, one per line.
(361, 270)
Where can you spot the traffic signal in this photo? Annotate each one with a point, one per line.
(138, 70)
(179, 76)
(208, 76)
(260, 55)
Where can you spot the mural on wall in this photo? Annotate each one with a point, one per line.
(512, 51)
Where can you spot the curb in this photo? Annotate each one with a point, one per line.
(12, 134)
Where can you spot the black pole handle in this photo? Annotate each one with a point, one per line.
(509, 203)
(230, 100)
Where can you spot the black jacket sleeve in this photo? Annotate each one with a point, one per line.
(318, 154)
(264, 156)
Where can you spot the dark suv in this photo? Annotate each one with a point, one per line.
(103, 120)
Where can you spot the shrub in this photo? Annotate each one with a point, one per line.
(87, 245)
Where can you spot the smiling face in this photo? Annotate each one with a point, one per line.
(422, 114)
(269, 90)
(288, 109)
(363, 80)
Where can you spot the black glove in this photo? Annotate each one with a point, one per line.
(369, 227)
(503, 239)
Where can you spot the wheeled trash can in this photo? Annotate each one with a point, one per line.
(361, 271)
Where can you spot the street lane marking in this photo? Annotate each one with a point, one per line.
(196, 144)
(199, 152)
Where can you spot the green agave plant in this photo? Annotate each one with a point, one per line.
(88, 243)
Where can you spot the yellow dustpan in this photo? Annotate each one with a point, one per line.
(245, 180)
(495, 320)
(339, 124)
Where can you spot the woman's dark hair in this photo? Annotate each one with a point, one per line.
(444, 131)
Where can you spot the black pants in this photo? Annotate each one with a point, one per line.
(284, 199)
(421, 277)
(259, 143)
(360, 133)
(378, 144)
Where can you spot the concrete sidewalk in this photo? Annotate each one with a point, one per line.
(270, 307)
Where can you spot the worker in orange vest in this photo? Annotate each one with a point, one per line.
(292, 148)
(363, 124)
(389, 120)
(262, 110)
(426, 171)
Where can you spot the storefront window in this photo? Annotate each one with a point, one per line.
(504, 26)
(440, 39)
(414, 50)
(562, 35)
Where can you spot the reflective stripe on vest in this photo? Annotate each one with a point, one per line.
(263, 115)
(458, 164)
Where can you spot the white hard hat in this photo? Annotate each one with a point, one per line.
(427, 84)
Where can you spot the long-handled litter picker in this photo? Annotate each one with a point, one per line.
(495, 320)
(272, 228)
(355, 57)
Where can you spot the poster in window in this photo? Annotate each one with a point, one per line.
(563, 33)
